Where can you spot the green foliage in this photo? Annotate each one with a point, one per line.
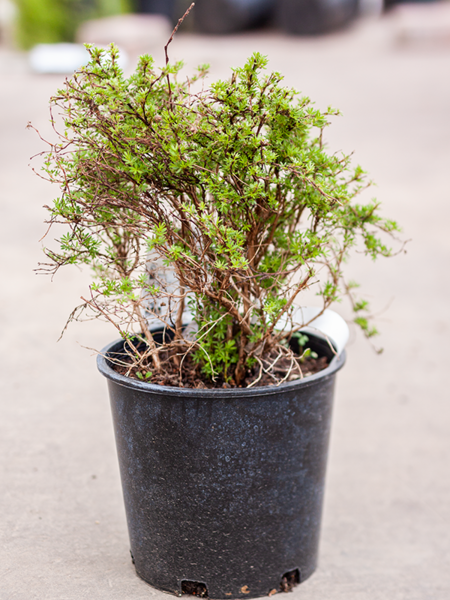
(231, 187)
(143, 376)
(302, 341)
(50, 21)
(218, 345)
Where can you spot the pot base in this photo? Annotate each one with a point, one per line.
(200, 589)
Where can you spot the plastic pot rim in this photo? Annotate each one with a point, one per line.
(336, 363)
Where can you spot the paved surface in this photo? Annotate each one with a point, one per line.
(386, 531)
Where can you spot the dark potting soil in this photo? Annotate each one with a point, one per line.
(191, 376)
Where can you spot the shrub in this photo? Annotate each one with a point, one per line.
(231, 187)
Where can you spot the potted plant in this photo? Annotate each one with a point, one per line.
(205, 214)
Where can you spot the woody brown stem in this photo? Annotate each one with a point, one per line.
(180, 311)
(149, 338)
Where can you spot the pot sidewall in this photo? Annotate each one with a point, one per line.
(222, 488)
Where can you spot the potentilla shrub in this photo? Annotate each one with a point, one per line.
(230, 186)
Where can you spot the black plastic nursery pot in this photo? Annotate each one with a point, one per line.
(223, 488)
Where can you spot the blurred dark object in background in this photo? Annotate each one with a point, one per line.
(312, 17)
(228, 16)
(158, 7)
(387, 4)
(303, 17)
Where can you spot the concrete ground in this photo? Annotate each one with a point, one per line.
(386, 529)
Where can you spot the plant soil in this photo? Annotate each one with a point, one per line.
(190, 375)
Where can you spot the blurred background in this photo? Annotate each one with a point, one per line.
(26, 23)
(386, 66)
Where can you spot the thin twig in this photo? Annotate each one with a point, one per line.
(179, 320)
(167, 46)
(261, 369)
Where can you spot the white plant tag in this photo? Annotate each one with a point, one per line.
(329, 325)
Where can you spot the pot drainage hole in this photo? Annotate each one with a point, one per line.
(290, 580)
(194, 588)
